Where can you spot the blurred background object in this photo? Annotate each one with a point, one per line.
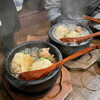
(19, 4)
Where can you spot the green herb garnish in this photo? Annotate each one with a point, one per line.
(30, 68)
(42, 58)
(66, 33)
(48, 57)
(25, 53)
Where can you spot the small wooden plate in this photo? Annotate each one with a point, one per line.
(58, 92)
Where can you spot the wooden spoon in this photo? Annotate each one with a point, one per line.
(91, 18)
(38, 74)
(80, 39)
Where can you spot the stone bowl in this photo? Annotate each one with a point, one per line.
(65, 49)
(37, 86)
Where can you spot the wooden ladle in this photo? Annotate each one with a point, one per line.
(80, 39)
(91, 18)
(38, 74)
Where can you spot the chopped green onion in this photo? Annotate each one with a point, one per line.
(66, 33)
(48, 57)
(30, 68)
(42, 58)
(25, 53)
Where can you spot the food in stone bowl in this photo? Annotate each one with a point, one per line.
(31, 59)
(30, 56)
(69, 29)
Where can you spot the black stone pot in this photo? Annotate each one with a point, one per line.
(65, 49)
(37, 86)
(92, 26)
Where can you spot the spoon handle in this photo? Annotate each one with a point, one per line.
(91, 18)
(84, 38)
(80, 53)
(38, 74)
(80, 39)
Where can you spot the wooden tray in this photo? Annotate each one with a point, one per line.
(58, 92)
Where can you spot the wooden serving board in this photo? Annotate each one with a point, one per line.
(58, 92)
